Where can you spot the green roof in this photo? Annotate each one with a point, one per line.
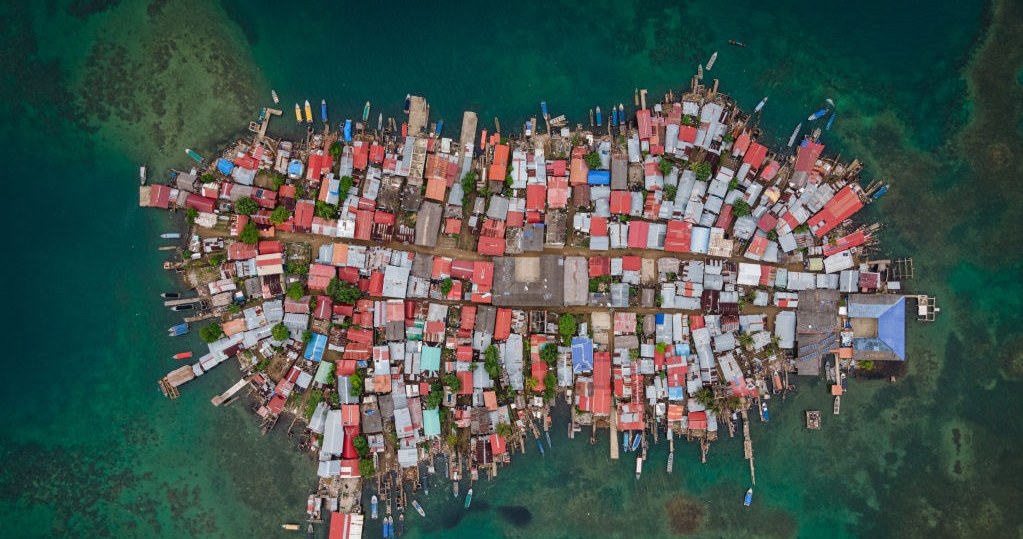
(430, 360)
(431, 422)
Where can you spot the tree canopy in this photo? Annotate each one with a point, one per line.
(324, 210)
(592, 160)
(452, 381)
(491, 362)
(740, 208)
(280, 332)
(670, 191)
(567, 326)
(343, 291)
(346, 184)
(246, 206)
(549, 354)
(702, 170)
(295, 291)
(249, 234)
(211, 332)
(279, 215)
(664, 167)
(446, 285)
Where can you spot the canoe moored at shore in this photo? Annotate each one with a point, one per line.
(308, 112)
(638, 439)
(795, 133)
(365, 113)
(142, 175)
(543, 109)
(831, 120)
(625, 441)
(468, 498)
(440, 125)
(766, 414)
(347, 130)
(639, 466)
(749, 497)
(818, 114)
(170, 295)
(380, 120)
(298, 113)
(323, 110)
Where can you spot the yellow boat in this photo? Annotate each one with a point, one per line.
(291, 527)
(308, 112)
(298, 113)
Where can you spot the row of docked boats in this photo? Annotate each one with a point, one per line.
(636, 441)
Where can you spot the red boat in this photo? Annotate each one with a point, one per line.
(182, 355)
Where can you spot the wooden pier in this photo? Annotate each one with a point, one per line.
(223, 397)
(747, 446)
(614, 435)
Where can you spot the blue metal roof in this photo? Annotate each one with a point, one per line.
(891, 326)
(599, 177)
(225, 166)
(582, 354)
(314, 350)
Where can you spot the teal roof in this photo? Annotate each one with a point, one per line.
(430, 360)
(431, 422)
(323, 372)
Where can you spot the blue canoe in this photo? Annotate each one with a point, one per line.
(625, 441)
(817, 114)
(636, 441)
(540, 445)
(600, 118)
(614, 116)
(323, 110)
(543, 109)
(348, 130)
(830, 121)
(440, 125)
(767, 416)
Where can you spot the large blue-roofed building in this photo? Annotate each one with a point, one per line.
(879, 327)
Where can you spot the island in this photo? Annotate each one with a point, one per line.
(416, 305)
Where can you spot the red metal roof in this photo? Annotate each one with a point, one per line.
(304, 212)
(632, 263)
(807, 155)
(846, 242)
(598, 227)
(491, 246)
(499, 167)
(200, 203)
(270, 247)
(621, 202)
(535, 195)
(159, 196)
(845, 203)
(755, 156)
(462, 269)
(502, 326)
(638, 234)
(600, 266)
(678, 237)
(483, 273)
(643, 120)
(741, 144)
(687, 133)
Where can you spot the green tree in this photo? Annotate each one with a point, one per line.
(234, 308)
(670, 192)
(207, 178)
(446, 285)
(346, 184)
(324, 210)
(734, 183)
(335, 149)
(740, 208)
(661, 347)
(550, 383)
(366, 468)
(567, 326)
(549, 354)
(491, 362)
(361, 445)
(280, 332)
(772, 235)
(504, 430)
(246, 206)
(664, 166)
(702, 170)
(746, 340)
(307, 335)
(191, 214)
(279, 215)
(295, 291)
(295, 268)
(315, 397)
(435, 397)
(705, 396)
(342, 291)
(358, 384)
(531, 383)
(249, 234)
(278, 180)
(592, 160)
(211, 332)
(452, 381)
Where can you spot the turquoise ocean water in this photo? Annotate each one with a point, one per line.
(928, 95)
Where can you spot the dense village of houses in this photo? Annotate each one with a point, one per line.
(417, 300)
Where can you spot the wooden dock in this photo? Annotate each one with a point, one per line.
(418, 116)
(223, 397)
(747, 446)
(169, 384)
(182, 301)
(614, 435)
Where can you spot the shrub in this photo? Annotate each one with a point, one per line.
(279, 215)
(211, 332)
(246, 206)
(249, 234)
(592, 160)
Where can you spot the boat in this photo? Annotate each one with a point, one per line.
(454, 487)
(373, 507)
(614, 116)
(298, 113)
(795, 132)
(543, 109)
(380, 121)
(880, 192)
(273, 94)
(440, 125)
(639, 466)
(766, 415)
(179, 329)
(845, 383)
(323, 110)
(170, 295)
(749, 497)
(592, 120)
(186, 307)
(408, 103)
(831, 120)
(388, 527)
(838, 403)
(308, 112)
(625, 441)
(760, 105)
(548, 435)
(291, 527)
(347, 130)
(699, 72)
(419, 508)
(636, 440)
(713, 58)
(671, 459)
(817, 115)
(426, 484)
(194, 155)
(142, 175)
(312, 506)
(736, 43)
(170, 235)
(468, 498)
(540, 446)
(365, 112)
(600, 117)
(401, 523)
(182, 355)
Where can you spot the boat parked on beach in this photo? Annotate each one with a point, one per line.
(749, 497)
(468, 498)
(419, 508)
